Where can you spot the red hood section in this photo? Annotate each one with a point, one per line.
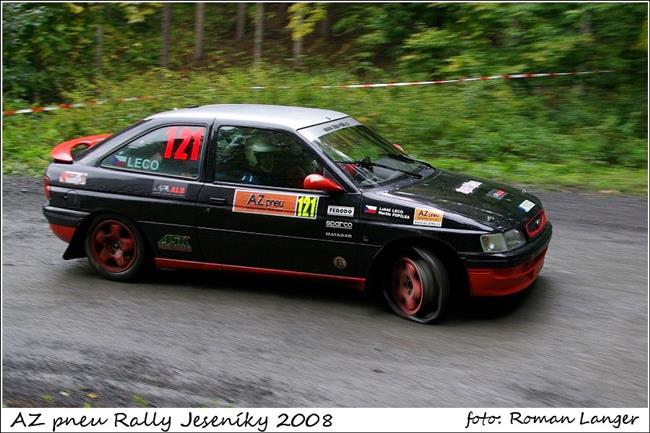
(62, 152)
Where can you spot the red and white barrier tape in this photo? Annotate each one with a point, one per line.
(64, 106)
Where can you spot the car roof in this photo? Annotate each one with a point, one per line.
(279, 115)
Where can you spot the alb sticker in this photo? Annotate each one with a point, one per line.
(175, 243)
(526, 205)
(468, 187)
(428, 217)
(340, 211)
(73, 177)
(274, 203)
(169, 189)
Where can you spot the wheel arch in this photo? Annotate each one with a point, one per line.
(454, 266)
(76, 248)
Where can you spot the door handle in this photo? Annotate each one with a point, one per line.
(217, 200)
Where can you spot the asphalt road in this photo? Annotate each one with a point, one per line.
(578, 337)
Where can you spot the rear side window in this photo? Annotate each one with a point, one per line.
(172, 151)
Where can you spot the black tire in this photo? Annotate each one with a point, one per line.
(416, 286)
(115, 247)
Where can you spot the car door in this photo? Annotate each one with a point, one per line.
(256, 213)
(154, 179)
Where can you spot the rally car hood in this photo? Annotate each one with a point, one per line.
(468, 199)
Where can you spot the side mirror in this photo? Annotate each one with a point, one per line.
(321, 183)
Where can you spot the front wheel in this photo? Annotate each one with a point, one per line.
(115, 247)
(417, 286)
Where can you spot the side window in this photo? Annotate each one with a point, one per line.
(262, 157)
(172, 150)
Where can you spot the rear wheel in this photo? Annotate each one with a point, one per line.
(115, 247)
(417, 286)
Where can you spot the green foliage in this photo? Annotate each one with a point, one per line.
(304, 17)
(477, 125)
(584, 121)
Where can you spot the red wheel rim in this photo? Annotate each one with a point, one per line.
(113, 246)
(406, 286)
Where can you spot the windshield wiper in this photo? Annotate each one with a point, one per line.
(401, 157)
(366, 162)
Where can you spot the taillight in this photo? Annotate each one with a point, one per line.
(47, 188)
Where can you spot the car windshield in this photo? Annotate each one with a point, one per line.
(365, 156)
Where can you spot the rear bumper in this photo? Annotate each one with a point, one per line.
(63, 222)
(64, 233)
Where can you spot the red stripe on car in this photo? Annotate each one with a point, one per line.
(189, 264)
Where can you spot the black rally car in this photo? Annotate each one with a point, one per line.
(291, 191)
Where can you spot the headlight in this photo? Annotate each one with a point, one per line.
(501, 242)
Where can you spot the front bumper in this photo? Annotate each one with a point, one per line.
(505, 274)
(504, 281)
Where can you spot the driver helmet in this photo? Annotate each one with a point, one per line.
(258, 149)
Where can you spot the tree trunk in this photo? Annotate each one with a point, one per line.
(241, 22)
(99, 50)
(282, 12)
(585, 30)
(325, 24)
(165, 30)
(198, 32)
(297, 41)
(259, 33)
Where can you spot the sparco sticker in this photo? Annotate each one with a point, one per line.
(341, 211)
(428, 217)
(175, 243)
(171, 189)
(73, 177)
(274, 203)
(345, 225)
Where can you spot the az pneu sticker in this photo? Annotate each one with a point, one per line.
(275, 203)
(428, 217)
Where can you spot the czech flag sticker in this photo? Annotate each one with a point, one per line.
(370, 209)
